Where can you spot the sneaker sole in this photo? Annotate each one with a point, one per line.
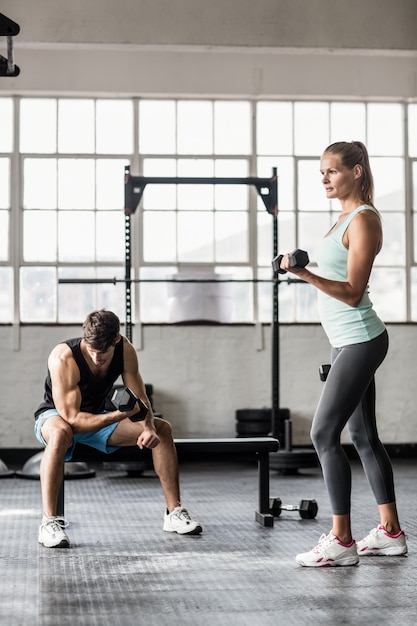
(385, 552)
(62, 544)
(195, 531)
(341, 563)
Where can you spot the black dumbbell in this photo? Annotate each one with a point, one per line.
(298, 258)
(307, 508)
(124, 400)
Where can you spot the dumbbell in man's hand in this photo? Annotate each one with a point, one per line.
(124, 400)
(298, 258)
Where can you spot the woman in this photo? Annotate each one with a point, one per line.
(359, 344)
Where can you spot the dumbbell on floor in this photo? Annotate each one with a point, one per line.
(307, 508)
(124, 400)
(298, 258)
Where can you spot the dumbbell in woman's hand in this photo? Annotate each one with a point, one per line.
(298, 258)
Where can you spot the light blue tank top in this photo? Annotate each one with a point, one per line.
(343, 324)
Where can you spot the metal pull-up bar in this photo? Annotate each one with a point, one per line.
(135, 186)
(8, 29)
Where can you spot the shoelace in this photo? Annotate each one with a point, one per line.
(56, 523)
(183, 513)
(324, 540)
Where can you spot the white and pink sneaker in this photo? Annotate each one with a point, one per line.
(382, 543)
(329, 552)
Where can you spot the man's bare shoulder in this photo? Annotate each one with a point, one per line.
(61, 355)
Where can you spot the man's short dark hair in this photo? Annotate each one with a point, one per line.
(101, 330)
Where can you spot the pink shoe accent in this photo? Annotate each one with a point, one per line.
(398, 534)
(346, 545)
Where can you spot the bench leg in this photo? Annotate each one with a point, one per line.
(263, 516)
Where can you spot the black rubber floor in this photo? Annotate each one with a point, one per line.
(123, 570)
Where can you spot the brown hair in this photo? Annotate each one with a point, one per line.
(101, 330)
(355, 153)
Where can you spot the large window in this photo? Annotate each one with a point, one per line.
(62, 197)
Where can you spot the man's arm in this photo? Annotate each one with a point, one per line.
(65, 377)
(132, 378)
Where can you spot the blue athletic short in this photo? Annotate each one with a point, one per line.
(97, 439)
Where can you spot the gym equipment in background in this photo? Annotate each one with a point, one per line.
(8, 29)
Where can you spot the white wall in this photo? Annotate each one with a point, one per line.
(202, 374)
(237, 48)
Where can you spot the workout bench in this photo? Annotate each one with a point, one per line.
(238, 446)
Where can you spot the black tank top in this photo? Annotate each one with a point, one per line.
(94, 389)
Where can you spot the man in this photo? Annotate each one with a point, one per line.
(81, 373)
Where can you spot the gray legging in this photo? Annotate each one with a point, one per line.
(348, 397)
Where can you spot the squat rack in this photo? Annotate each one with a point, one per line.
(267, 189)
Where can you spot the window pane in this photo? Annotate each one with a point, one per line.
(232, 128)
(385, 129)
(6, 295)
(387, 292)
(195, 127)
(40, 184)
(389, 183)
(195, 237)
(4, 235)
(311, 127)
(38, 123)
(160, 197)
(412, 129)
(414, 207)
(157, 127)
(195, 197)
(77, 300)
(394, 247)
(6, 124)
(311, 196)
(231, 197)
(76, 188)
(39, 236)
(414, 185)
(311, 229)
(110, 183)
(347, 122)
(76, 126)
(231, 237)
(265, 295)
(38, 294)
(274, 128)
(112, 296)
(76, 236)
(114, 126)
(239, 295)
(306, 303)
(154, 296)
(110, 229)
(413, 294)
(286, 236)
(415, 237)
(160, 242)
(4, 183)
